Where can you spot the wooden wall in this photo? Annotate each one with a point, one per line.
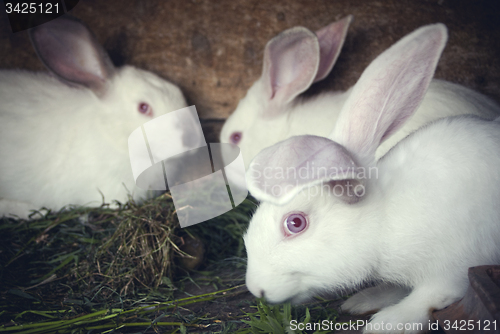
(213, 48)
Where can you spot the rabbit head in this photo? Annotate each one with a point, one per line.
(69, 129)
(126, 97)
(293, 61)
(317, 228)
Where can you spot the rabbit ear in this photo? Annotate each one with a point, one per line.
(68, 49)
(389, 91)
(280, 171)
(331, 39)
(290, 64)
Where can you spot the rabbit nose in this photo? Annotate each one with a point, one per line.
(257, 292)
(260, 293)
(254, 288)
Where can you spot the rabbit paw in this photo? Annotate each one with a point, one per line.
(394, 319)
(412, 313)
(373, 299)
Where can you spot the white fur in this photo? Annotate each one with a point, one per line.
(317, 115)
(430, 210)
(420, 228)
(63, 144)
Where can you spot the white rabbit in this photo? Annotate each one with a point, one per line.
(64, 139)
(272, 109)
(333, 217)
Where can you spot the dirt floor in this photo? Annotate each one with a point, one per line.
(236, 305)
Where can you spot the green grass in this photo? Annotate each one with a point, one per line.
(98, 270)
(112, 319)
(278, 319)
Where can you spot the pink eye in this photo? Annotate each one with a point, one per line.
(235, 137)
(145, 109)
(295, 223)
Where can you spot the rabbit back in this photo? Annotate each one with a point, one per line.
(53, 143)
(441, 200)
(62, 144)
(443, 99)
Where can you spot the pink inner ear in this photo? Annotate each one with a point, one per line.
(70, 50)
(389, 91)
(279, 172)
(331, 39)
(290, 63)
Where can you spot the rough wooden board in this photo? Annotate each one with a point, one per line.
(213, 49)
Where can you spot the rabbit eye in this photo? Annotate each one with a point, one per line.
(295, 223)
(145, 109)
(235, 137)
